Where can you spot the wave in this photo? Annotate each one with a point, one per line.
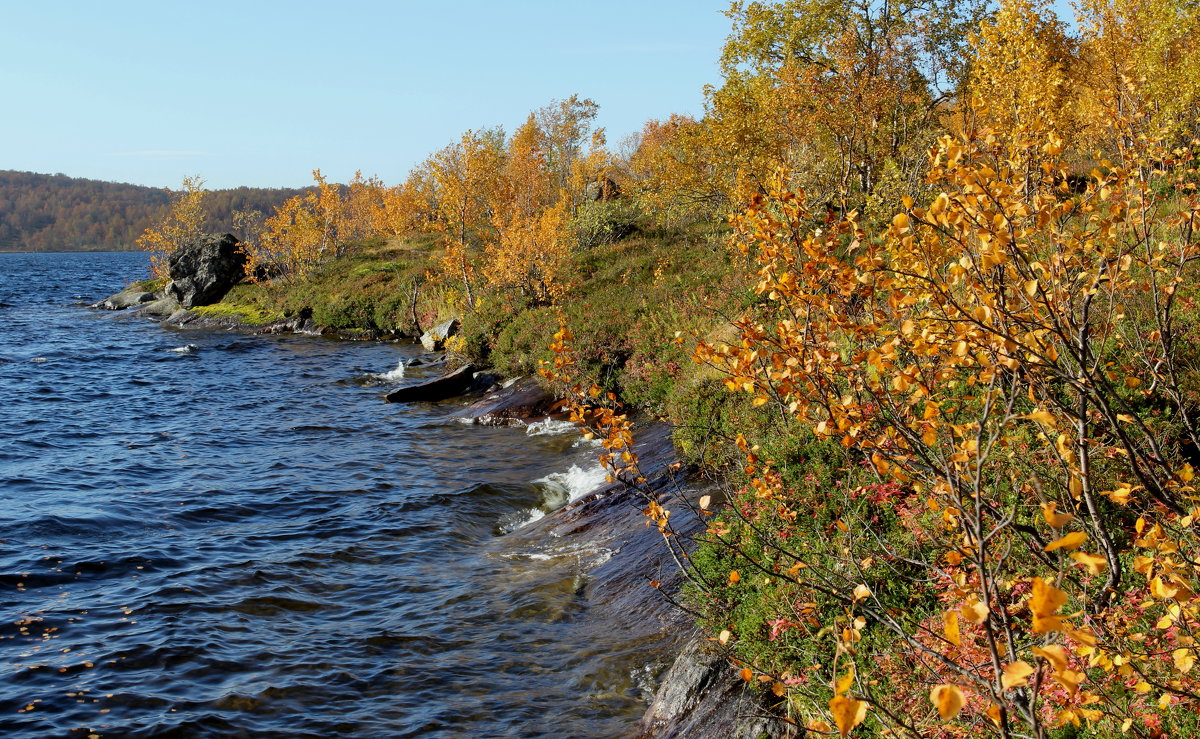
(571, 485)
(395, 375)
(558, 489)
(551, 427)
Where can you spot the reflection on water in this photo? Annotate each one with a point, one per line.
(208, 534)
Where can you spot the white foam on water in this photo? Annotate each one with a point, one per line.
(510, 522)
(38, 359)
(189, 349)
(395, 375)
(550, 427)
(558, 489)
(573, 484)
(534, 514)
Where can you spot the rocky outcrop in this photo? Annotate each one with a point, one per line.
(203, 270)
(449, 385)
(127, 298)
(160, 308)
(602, 190)
(700, 697)
(522, 402)
(434, 340)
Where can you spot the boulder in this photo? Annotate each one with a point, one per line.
(203, 270)
(448, 385)
(602, 190)
(434, 340)
(162, 307)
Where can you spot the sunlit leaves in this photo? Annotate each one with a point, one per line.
(847, 713)
(1044, 604)
(1016, 675)
(1070, 542)
(948, 699)
(1055, 519)
(181, 224)
(974, 611)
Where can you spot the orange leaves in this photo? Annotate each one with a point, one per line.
(1070, 542)
(1069, 679)
(1055, 519)
(993, 353)
(182, 223)
(847, 713)
(1044, 605)
(974, 611)
(1094, 563)
(1184, 658)
(530, 252)
(1016, 675)
(1055, 654)
(948, 699)
(951, 629)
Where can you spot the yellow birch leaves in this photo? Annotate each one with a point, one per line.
(948, 699)
(847, 712)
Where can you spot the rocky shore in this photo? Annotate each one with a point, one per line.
(699, 695)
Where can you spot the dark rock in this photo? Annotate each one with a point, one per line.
(602, 190)
(434, 340)
(701, 697)
(485, 382)
(427, 360)
(301, 323)
(204, 270)
(522, 402)
(448, 385)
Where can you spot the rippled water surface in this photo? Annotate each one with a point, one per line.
(239, 538)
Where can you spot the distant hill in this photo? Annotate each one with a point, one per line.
(41, 212)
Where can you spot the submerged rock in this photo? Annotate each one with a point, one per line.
(203, 270)
(434, 340)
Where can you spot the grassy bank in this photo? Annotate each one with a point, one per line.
(624, 301)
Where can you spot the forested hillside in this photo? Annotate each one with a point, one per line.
(40, 212)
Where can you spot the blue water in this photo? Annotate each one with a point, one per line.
(241, 539)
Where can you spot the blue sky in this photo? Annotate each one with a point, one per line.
(260, 93)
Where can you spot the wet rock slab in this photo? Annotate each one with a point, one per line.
(522, 402)
(449, 385)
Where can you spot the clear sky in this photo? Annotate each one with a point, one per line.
(260, 93)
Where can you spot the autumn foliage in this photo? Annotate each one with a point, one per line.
(182, 223)
(964, 405)
(1002, 382)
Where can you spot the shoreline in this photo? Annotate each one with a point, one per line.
(697, 695)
